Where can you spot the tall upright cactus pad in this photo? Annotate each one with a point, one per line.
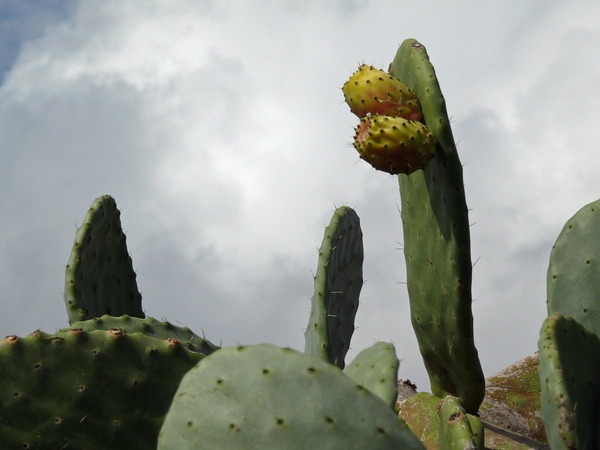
(99, 277)
(437, 245)
(263, 396)
(574, 270)
(96, 390)
(338, 283)
(570, 381)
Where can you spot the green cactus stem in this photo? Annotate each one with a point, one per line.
(99, 277)
(338, 283)
(437, 245)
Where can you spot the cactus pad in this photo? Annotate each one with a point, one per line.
(263, 396)
(80, 389)
(149, 327)
(99, 277)
(376, 368)
(574, 271)
(338, 283)
(570, 382)
(437, 246)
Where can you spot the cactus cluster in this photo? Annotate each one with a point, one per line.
(116, 378)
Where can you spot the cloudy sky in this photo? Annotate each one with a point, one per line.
(220, 129)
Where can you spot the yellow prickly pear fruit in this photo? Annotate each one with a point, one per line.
(373, 91)
(393, 144)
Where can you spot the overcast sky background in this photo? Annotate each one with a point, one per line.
(220, 129)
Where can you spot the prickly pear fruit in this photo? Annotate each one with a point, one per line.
(393, 144)
(263, 396)
(373, 91)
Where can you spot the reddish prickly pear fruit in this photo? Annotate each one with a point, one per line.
(393, 144)
(373, 91)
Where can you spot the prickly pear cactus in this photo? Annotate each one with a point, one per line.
(376, 368)
(570, 381)
(338, 283)
(574, 270)
(263, 396)
(457, 430)
(151, 327)
(437, 245)
(99, 278)
(87, 389)
(441, 423)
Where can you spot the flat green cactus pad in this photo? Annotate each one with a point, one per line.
(263, 396)
(87, 390)
(574, 270)
(570, 382)
(376, 368)
(151, 327)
